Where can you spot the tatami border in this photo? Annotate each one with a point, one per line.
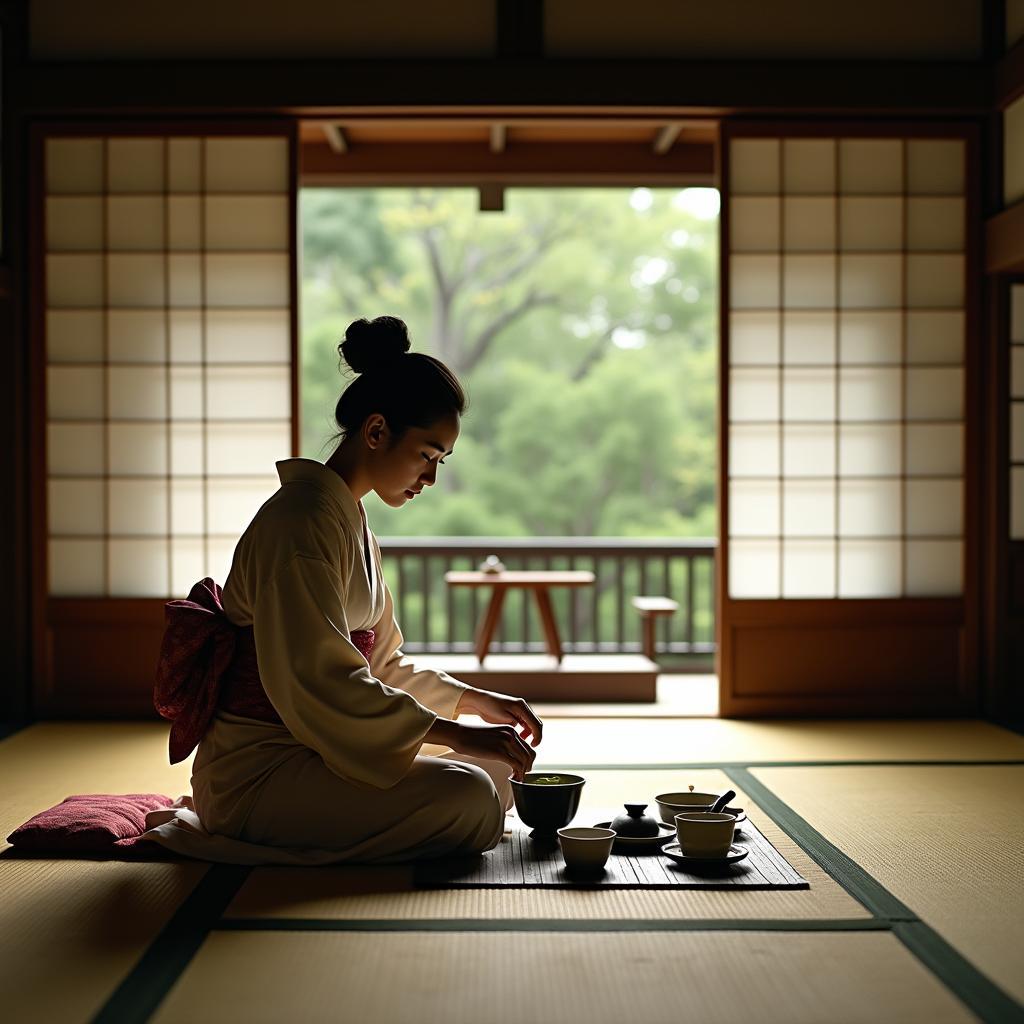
(163, 963)
(553, 924)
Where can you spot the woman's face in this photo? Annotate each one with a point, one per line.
(402, 468)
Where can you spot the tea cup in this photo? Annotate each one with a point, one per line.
(671, 804)
(704, 834)
(586, 849)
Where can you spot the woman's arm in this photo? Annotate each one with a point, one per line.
(436, 690)
(320, 685)
(490, 742)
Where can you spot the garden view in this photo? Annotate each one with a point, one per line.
(583, 324)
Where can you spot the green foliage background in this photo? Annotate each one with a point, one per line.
(583, 324)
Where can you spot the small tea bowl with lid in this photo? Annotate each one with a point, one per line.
(637, 832)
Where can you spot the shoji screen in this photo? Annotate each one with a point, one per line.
(166, 328)
(846, 323)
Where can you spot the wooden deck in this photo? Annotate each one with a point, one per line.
(579, 678)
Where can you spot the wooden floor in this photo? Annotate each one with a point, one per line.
(909, 831)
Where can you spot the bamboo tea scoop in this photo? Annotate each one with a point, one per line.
(719, 805)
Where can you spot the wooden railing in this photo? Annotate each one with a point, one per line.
(598, 619)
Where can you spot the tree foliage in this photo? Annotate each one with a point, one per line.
(583, 324)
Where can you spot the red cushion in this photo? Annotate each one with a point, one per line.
(92, 823)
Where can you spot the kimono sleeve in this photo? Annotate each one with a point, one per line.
(320, 684)
(437, 690)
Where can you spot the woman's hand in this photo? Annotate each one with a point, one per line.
(502, 710)
(488, 742)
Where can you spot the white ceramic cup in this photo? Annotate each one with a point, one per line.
(586, 849)
(704, 834)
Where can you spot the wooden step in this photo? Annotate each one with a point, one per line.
(580, 678)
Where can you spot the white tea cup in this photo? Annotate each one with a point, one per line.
(705, 834)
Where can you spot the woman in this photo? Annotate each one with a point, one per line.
(359, 755)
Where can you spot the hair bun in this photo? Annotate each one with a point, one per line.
(375, 344)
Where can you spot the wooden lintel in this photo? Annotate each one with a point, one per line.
(668, 89)
(1004, 241)
(666, 137)
(471, 164)
(499, 136)
(335, 136)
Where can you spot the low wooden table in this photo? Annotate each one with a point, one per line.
(539, 581)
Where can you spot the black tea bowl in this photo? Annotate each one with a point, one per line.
(547, 801)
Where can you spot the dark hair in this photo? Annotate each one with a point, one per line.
(407, 388)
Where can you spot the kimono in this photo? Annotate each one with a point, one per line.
(344, 775)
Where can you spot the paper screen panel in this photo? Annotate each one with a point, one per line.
(74, 281)
(74, 336)
(809, 568)
(137, 449)
(136, 222)
(74, 223)
(808, 450)
(846, 352)
(810, 337)
(871, 223)
(809, 223)
(168, 346)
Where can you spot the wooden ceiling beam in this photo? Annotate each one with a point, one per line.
(666, 138)
(335, 136)
(475, 165)
(666, 89)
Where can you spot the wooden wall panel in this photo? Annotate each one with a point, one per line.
(852, 662)
(100, 658)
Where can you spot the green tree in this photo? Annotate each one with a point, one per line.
(581, 320)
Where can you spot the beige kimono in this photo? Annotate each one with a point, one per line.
(347, 777)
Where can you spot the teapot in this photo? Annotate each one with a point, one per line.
(634, 824)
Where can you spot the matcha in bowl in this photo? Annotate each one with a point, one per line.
(547, 801)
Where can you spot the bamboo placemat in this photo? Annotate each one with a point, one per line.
(518, 861)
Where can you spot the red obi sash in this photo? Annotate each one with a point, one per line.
(208, 663)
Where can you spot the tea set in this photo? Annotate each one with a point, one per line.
(702, 825)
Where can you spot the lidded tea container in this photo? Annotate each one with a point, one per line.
(634, 824)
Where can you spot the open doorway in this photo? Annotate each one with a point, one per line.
(583, 322)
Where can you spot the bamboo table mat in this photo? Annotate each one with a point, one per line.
(519, 862)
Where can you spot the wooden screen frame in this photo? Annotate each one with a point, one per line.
(1004, 590)
(836, 656)
(95, 656)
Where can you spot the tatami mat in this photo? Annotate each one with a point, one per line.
(367, 893)
(44, 763)
(947, 841)
(74, 929)
(685, 741)
(460, 978)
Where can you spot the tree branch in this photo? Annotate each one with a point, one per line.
(596, 351)
(532, 300)
(544, 242)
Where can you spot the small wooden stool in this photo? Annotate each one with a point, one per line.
(650, 608)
